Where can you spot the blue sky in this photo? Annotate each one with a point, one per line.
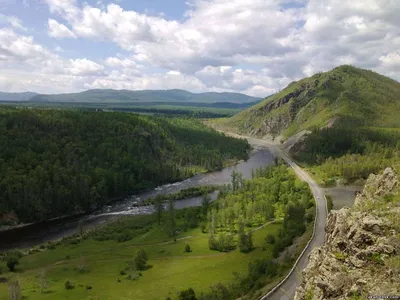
(251, 46)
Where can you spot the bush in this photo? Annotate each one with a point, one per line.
(68, 285)
(187, 295)
(124, 237)
(12, 262)
(88, 287)
(270, 239)
(224, 243)
(140, 259)
(187, 248)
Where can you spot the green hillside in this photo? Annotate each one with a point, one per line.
(60, 162)
(344, 95)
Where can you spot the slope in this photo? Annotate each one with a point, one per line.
(344, 95)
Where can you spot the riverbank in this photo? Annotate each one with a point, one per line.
(34, 234)
(227, 164)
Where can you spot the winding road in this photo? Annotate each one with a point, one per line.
(287, 289)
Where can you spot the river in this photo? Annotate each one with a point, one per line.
(40, 233)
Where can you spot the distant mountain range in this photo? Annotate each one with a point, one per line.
(126, 96)
(26, 96)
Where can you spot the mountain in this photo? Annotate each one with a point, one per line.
(360, 256)
(16, 96)
(344, 95)
(125, 96)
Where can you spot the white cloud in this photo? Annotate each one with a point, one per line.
(13, 21)
(251, 46)
(391, 61)
(19, 48)
(83, 67)
(116, 62)
(58, 30)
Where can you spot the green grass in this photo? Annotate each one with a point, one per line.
(172, 269)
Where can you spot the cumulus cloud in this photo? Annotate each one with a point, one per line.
(19, 48)
(116, 62)
(22, 53)
(251, 46)
(58, 30)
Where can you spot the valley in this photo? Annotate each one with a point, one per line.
(216, 209)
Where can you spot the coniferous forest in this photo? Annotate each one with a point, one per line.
(60, 162)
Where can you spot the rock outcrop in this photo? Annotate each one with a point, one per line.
(360, 256)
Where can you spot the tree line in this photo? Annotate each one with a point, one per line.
(350, 153)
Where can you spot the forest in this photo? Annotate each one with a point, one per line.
(350, 153)
(61, 162)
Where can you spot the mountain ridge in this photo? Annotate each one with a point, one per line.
(346, 95)
(23, 96)
(125, 96)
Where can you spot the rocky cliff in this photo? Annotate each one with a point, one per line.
(360, 256)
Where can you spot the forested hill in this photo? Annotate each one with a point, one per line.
(344, 95)
(127, 96)
(60, 162)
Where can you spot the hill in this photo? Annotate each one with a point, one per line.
(16, 96)
(126, 96)
(344, 95)
(62, 162)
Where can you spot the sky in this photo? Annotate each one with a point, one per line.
(256, 47)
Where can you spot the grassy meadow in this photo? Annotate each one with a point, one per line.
(171, 268)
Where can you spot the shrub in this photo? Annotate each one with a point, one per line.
(134, 275)
(124, 237)
(270, 239)
(68, 285)
(88, 287)
(187, 248)
(12, 262)
(187, 295)
(140, 259)
(224, 243)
